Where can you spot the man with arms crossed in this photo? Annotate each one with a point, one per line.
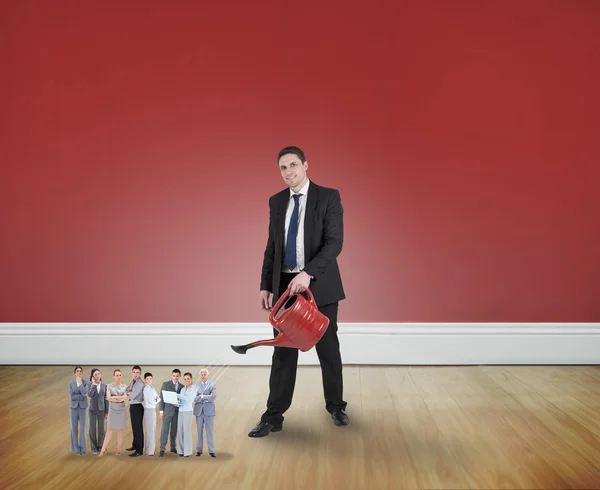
(169, 414)
(306, 233)
(205, 411)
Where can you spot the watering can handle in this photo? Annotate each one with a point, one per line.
(274, 321)
(311, 298)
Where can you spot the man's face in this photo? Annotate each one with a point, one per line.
(136, 373)
(293, 171)
(187, 380)
(175, 377)
(204, 376)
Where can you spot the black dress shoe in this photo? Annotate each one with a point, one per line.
(174, 450)
(198, 453)
(135, 454)
(340, 418)
(161, 454)
(213, 455)
(132, 448)
(262, 429)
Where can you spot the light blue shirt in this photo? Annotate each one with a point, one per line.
(186, 398)
(151, 398)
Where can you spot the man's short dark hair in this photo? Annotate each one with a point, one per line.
(147, 374)
(176, 371)
(136, 367)
(293, 150)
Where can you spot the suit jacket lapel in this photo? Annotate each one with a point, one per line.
(309, 218)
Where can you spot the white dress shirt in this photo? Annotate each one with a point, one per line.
(300, 237)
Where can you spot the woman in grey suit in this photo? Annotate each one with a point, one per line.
(78, 389)
(116, 394)
(98, 410)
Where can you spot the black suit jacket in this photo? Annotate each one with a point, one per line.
(323, 240)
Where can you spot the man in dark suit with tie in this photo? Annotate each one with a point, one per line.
(306, 233)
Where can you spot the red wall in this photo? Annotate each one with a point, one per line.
(138, 148)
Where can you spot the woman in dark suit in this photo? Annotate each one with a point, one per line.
(78, 389)
(98, 410)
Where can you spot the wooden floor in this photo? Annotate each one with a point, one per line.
(411, 427)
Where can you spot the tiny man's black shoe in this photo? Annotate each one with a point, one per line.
(213, 455)
(262, 429)
(161, 454)
(173, 450)
(340, 418)
(132, 448)
(135, 454)
(198, 453)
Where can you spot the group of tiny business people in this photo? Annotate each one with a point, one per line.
(106, 403)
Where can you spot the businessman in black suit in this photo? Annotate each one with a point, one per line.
(306, 233)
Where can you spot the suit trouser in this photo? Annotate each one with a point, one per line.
(184, 433)
(150, 421)
(284, 366)
(170, 420)
(96, 430)
(207, 421)
(78, 432)
(136, 411)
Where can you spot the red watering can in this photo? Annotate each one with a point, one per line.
(299, 322)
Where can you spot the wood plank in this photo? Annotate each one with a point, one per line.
(411, 427)
(548, 435)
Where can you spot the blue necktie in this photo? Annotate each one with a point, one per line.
(290, 246)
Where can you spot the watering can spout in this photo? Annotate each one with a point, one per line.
(240, 349)
(280, 341)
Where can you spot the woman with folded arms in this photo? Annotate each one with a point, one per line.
(117, 413)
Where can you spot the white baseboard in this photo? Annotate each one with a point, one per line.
(361, 343)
